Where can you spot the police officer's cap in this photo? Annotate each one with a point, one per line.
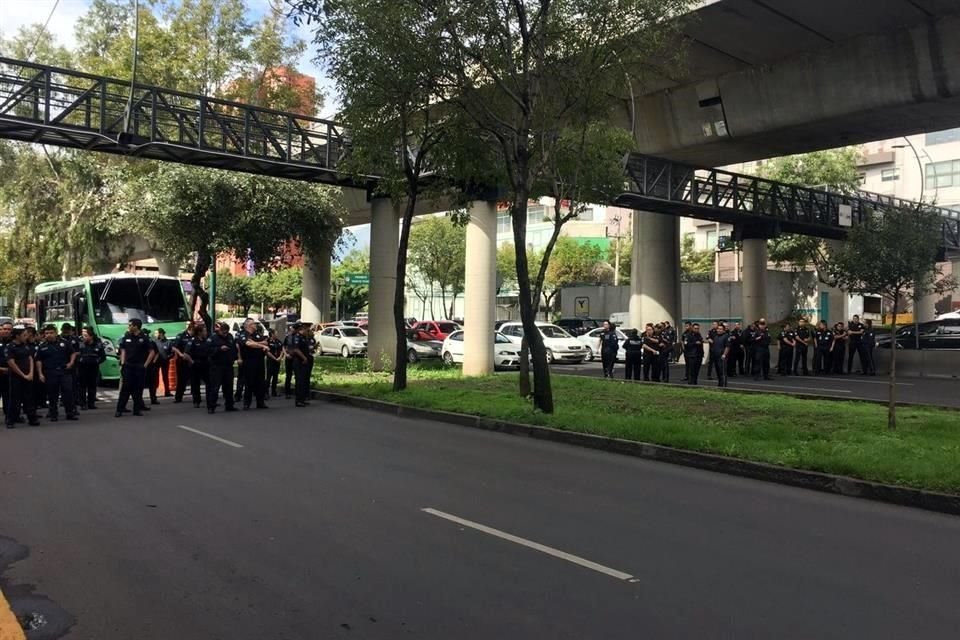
(49, 327)
(66, 326)
(18, 328)
(137, 322)
(297, 325)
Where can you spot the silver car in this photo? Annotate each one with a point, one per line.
(346, 341)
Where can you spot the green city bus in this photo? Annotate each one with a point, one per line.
(108, 302)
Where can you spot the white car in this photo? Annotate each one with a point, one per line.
(347, 341)
(591, 341)
(506, 354)
(561, 346)
(236, 324)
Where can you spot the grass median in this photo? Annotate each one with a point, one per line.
(842, 437)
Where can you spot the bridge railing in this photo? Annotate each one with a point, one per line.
(81, 104)
(724, 195)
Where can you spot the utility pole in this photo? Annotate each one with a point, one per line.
(616, 252)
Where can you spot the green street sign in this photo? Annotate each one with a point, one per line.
(358, 278)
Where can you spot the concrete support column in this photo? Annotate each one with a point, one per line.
(315, 300)
(480, 289)
(655, 269)
(924, 307)
(384, 238)
(167, 267)
(754, 279)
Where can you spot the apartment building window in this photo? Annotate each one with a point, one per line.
(711, 240)
(889, 175)
(585, 215)
(862, 177)
(536, 214)
(943, 137)
(943, 174)
(503, 222)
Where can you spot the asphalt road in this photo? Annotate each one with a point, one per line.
(933, 391)
(309, 524)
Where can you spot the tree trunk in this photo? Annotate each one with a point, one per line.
(204, 260)
(443, 299)
(542, 393)
(400, 355)
(892, 407)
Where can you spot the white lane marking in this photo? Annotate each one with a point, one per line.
(530, 544)
(210, 435)
(860, 380)
(760, 386)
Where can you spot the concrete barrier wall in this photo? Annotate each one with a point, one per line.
(924, 363)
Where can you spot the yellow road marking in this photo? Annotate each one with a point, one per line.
(10, 629)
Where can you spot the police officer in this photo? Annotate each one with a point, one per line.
(651, 354)
(761, 351)
(693, 353)
(735, 360)
(855, 344)
(89, 359)
(20, 363)
(135, 354)
(299, 349)
(69, 333)
(180, 347)
(687, 328)
(868, 345)
(222, 348)
(711, 334)
(289, 366)
(668, 337)
(788, 340)
(747, 347)
(802, 341)
(198, 352)
(633, 346)
(275, 355)
(39, 389)
(719, 352)
(56, 360)
(253, 353)
(838, 347)
(6, 336)
(609, 344)
(165, 355)
(241, 379)
(823, 339)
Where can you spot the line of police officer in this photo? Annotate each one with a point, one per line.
(738, 351)
(45, 372)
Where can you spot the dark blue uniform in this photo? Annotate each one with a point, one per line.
(822, 340)
(609, 346)
(241, 379)
(761, 353)
(785, 361)
(302, 367)
(57, 370)
(199, 351)
(668, 337)
(693, 355)
(289, 365)
(91, 356)
(21, 387)
(273, 366)
(181, 343)
(254, 371)
(633, 346)
(720, 344)
(135, 349)
(223, 353)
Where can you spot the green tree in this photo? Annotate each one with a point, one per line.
(381, 55)
(438, 248)
(523, 71)
(892, 252)
(506, 267)
(834, 169)
(695, 266)
(353, 298)
(626, 258)
(235, 291)
(575, 263)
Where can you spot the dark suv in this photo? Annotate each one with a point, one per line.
(937, 334)
(579, 326)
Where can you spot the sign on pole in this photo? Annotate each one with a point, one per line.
(846, 215)
(358, 278)
(581, 307)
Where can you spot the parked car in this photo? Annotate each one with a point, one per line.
(438, 329)
(347, 341)
(579, 326)
(236, 324)
(591, 341)
(561, 346)
(943, 333)
(421, 346)
(506, 354)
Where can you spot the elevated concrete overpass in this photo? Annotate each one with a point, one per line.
(770, 77)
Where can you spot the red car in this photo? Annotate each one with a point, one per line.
(436, 329)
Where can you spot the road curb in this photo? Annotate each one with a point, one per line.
(823, 482)
(10, 628)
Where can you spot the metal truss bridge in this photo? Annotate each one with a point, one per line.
(50, 105)
(760, 206)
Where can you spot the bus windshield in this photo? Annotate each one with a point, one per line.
(119, 300)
